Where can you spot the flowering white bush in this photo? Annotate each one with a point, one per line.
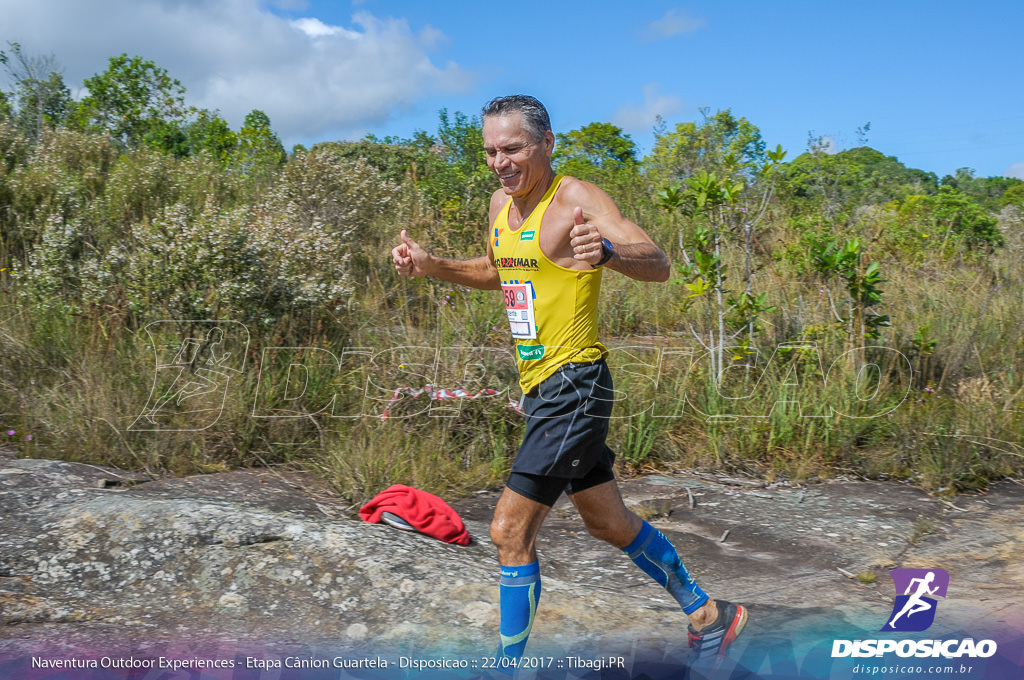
(256, 263)
(245, 264)
(64, 172)
(52, 276)
(343, 195)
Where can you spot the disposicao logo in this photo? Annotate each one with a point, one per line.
(914, 611)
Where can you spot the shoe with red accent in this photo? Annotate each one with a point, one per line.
(713, 639)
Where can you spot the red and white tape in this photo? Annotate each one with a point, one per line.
(443, 395)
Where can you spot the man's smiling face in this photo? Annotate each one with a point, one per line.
(518, 159)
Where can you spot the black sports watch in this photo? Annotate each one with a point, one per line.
(607, 251)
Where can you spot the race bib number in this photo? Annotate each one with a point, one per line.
(519, 306)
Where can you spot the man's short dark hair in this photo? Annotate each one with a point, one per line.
(535, 116)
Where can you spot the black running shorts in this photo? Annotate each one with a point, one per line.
(567, 419)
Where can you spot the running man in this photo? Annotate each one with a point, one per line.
(550, 240)
(914, 603)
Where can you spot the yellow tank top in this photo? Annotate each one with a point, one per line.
(552, 310)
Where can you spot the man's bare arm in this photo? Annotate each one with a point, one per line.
(640, 261)
(477, 272)
(411, 259)
(596, 218)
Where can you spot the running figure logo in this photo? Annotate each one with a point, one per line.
(914, 610)
(192, 374)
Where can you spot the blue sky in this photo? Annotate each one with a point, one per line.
(941, 83)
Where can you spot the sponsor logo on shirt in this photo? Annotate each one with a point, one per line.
(530, 352)
(515, 263)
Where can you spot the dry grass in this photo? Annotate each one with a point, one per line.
(947, 412)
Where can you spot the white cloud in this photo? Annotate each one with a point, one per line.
(1015, 170)
(643, 117)
(675, 22)
(315, 28)
(315, 80)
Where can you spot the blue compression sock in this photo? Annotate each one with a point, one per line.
(653, 553)
(520, 593)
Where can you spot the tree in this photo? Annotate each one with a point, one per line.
(594, 148)
(138, 103)
(728, 146)
(863, 282)
(988, 192)
(956, 216)
(600, 153)
(259, 153)
(834, 183)
(1014, 195)
(211, 133)
(41, 97)
(393, 158)
(722, 208)
(461, 142)
(452, 172)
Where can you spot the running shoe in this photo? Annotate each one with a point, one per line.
(712, 640)
(396, 521)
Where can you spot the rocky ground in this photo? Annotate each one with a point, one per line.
(93, 557)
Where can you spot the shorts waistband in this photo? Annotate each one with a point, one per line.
(567, 366)
(578, 364)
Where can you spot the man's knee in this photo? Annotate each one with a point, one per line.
(615, 528)
(511, 539)
(499, 531)
(603, 530)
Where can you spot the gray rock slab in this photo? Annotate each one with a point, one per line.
(267, 560)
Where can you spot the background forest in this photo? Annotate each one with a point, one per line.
(830, 313)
